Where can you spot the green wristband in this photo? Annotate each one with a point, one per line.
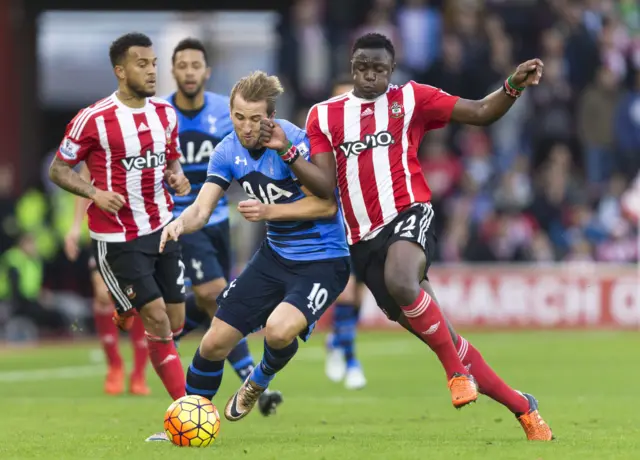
(286, 150)
(510, 83)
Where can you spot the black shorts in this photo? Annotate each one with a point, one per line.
(369, 257)
(136, 273)
(269, 279)
(355, 275)
(207, 254)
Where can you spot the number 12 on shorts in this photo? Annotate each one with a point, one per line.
(409, 226)
(317, 298)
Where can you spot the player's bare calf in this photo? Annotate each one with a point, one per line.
(218, 341)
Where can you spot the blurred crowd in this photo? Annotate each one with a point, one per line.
(543, 184)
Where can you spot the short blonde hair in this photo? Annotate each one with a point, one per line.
(258, 86)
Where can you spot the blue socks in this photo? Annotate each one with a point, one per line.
(204, 377)
(241, 360)
(273, 361)
(345, 322)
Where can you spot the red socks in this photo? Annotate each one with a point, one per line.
(166, 362)
(177, 331)
(140, 348)
(108, 334)
(426, 319)
(489, 383)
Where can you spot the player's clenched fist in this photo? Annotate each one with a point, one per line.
(272, 135)
(179, 183)
(253, 210)
(171, 232)
(108, 201)
(528, 73)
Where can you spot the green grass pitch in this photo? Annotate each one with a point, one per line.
(587, 384)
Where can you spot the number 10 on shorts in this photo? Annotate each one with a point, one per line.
(317, 298)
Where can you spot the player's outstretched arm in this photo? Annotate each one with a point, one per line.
(308, 208)
(319, 175)
(196, 216)
(495, 105)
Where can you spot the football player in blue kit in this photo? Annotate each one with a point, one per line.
(301, 267)
(203, 121)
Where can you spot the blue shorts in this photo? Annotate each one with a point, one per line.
(269, 279)
(207, 254)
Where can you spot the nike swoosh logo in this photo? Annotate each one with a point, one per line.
(232, 409)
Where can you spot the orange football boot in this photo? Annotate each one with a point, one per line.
(114, 383)
(123, 321)
(532, 423)
(138, 386)
(464, 390)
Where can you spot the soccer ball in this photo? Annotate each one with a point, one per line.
(192, 421)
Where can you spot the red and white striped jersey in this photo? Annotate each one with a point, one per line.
(375, 143)
(126, 151)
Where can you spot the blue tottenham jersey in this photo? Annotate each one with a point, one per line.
(199, 136)
(270, 180)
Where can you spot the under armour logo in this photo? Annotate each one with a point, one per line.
(241, 160)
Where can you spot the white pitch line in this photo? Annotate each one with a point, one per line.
(58, 373)
(312, 354)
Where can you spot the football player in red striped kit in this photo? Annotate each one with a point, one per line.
(365, 142)
(129, 141)
(103, 307)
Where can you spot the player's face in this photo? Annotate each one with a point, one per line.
(139, 71)
(371, 69)
(190, 72)
(246, 118)
(341, 89)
